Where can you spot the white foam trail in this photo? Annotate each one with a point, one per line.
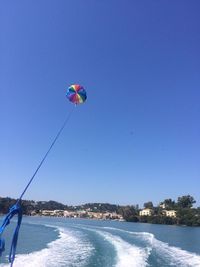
(145, 235)
(174, 256)
(128, 255)
(68, 250)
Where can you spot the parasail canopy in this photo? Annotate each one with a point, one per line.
(76, 94)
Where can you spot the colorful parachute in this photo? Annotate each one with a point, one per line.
(76, 94)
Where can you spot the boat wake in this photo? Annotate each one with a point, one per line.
(88, 246)
(163, 253)
(70, 249)
(127, 254)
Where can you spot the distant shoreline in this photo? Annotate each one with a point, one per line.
(168, 212)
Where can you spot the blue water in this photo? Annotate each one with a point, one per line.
(56, 242)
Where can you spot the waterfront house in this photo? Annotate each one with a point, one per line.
(169, 213)
(146, 212)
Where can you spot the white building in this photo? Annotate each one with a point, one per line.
(57, 213)
(47, 212)
(169, 213)
(162, 205)
(146, 212)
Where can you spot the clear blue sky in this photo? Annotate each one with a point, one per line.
(137, 137)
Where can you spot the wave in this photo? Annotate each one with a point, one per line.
(175, 256)
(70, 249)
(128, 255)
(170, 255)
(133, 249)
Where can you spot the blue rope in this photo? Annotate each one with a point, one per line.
(17, 210)
(42, 161)
(14, 210)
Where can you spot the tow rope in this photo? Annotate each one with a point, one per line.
(16, 209)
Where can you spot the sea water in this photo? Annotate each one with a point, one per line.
(60, 242)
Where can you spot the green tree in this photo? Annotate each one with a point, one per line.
(169, 203)
(185, 202)
(129, 213)
(188, 216)
(148, 205)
